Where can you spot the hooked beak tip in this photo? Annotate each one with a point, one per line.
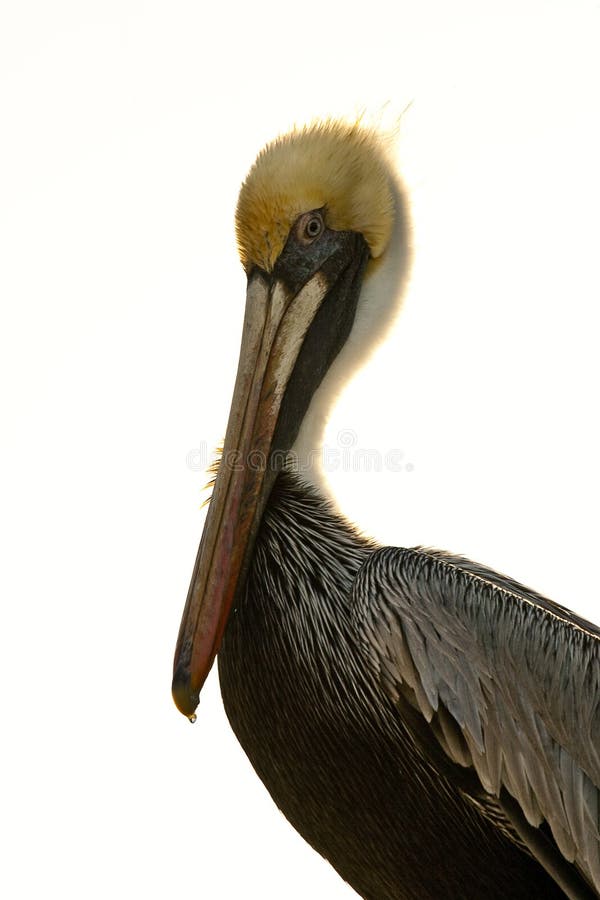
(185, 697)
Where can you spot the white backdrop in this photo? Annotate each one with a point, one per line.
(127, 128)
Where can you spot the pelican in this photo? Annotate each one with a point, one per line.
(429, 726)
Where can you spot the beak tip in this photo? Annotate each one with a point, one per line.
(185, 697)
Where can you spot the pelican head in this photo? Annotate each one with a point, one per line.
(316, 209)
(331, 168)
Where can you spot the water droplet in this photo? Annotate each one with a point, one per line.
(192, 718)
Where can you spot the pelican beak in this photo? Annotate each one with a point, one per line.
(297, 319)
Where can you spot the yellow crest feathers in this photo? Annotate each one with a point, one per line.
(331, 165)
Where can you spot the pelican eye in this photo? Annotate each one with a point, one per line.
(309, 227)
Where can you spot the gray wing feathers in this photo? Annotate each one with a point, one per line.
(509, 682)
